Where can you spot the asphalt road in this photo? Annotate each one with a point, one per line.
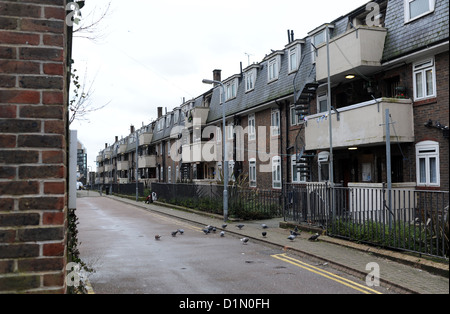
(118, 242)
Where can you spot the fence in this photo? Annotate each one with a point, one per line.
(404, 219)
(242, 203)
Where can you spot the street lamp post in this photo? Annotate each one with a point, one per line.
(225, 156)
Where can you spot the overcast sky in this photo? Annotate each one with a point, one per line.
(151, 54)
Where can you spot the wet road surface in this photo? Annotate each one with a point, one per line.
(118, 241)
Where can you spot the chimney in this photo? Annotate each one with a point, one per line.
(117, 139)
(132, 129)
(159, 112)
(106, 145)
(217, 75)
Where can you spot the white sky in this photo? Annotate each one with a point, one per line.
(153, 53)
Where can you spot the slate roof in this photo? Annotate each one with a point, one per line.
(406, 38)
(264, 92)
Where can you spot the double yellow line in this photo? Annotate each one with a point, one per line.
(323, 273)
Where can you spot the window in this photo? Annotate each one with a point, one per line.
(251, 127)
(273, 70)
(324, 166)
(317, 40)
(424, 79)
(322, 102)
(275, 123)
(427, 163)
(415, 9)
(295, 119)
(252, 172)
(294, 54)
(276, 172)
(231, 89)
(230, 131)
(169, 174)
(250, 77)
(176, 116)
(296, 167)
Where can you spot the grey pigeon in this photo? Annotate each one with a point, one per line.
(222, 234)
(264, 233)
(296, 229)
(157, 237)
(224, 226)
(294, 233)
(244, 240)
(206, 230)
(264, 226)
(314, 237)
(240, 226)
(174, 234)
(181, 231)
(291, 237)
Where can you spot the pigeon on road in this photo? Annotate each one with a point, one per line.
(222, 233)
(264, 233)
(314, 237)
(264, 226)
(157, 237)
(244, 240)
(174, 233)
(206, 230)
(181, 231)
(224, 226)
(240, 226)
(291, 237)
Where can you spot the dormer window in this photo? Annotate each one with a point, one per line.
(294, 53)
(415, 9)
(319, 37)
(273, 70)
(231, 87)
(250, 77)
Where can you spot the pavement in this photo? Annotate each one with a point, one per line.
(403, 273)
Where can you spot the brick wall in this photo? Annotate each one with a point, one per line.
(33, 133)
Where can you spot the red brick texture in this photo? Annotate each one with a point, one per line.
(33, 133)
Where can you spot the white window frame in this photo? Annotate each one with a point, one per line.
(230, 131)
(321, 97)
(295, 119)
(231, 89)
(408, 18)
(294, 58)
(251, 127)
(296, 176)
(427, 151)
(324, 161)
(250, 78)
(168, 118)
(252, 172)
(276, 172)
(273, 69)
(423, 67)
(275, 123)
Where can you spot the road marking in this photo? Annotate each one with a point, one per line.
(324, 273)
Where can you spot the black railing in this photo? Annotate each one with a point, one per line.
(403, 219)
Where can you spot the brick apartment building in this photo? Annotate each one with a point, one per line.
(34, 49)
(387, 55)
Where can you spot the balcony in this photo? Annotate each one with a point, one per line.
(145, 138)
(362, 124)
(197, 116)
(147, 161)
(122, 149)
(99, 158)
(357, 51)
(122, 165)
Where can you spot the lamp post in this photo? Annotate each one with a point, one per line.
(225, 157)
